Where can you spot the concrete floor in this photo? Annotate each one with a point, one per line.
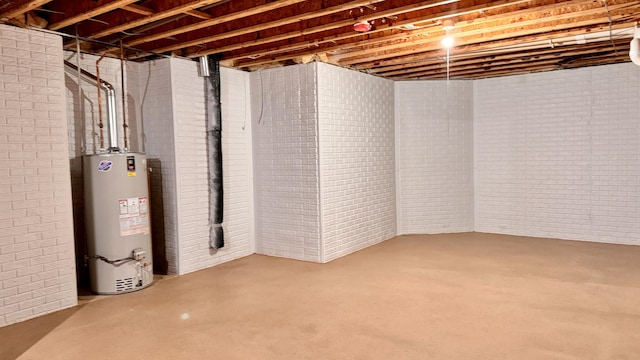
(455, 296)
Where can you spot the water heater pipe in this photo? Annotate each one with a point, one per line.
(211, 71)
(111, 101)
(634, 47)
(100, 123)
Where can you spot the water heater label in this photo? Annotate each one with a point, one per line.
(131, 166)
(105, 165)
(134, 216)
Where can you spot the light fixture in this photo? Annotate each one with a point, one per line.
(447, 42)
(362, 26)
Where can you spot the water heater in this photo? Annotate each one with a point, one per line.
(117, 221)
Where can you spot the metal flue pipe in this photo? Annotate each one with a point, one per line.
(111, 102)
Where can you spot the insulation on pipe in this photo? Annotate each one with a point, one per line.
(211, 71)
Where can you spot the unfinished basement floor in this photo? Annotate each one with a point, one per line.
(454, 296)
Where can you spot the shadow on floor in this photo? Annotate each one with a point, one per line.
(18, 338)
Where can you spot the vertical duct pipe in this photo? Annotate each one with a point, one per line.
(111, 103)
(210, 67)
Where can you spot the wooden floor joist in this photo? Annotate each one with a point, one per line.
(386, 27)
(494, 37)
(21, 7)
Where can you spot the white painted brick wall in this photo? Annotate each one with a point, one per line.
(156, 117)
(557, 154)
(191, 165)
(37, 273)
(284, 123)
(237, 165)
(192, 190)
(357, 172)
(133, 78)
(434, 144)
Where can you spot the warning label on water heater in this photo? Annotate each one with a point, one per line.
(134, 216)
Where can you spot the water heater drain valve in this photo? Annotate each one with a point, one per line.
(138, 254)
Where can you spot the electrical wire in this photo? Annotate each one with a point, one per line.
(104, 43)
(100, 123)
(80, 94)
(261, 99)
(606, 6)
(448, 60)
(123, 95)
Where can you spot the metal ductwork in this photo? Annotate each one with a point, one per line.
(111, 102)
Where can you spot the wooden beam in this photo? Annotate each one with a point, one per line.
(558, 55)
(138, 9)
(20, 8)
(184, 8)
(72, 19)
(326, 27)
(281, 22)
(482, 32)
(520, 68)
(502, 59)
(333, 39)
(495, 46)
(219, 20)
(199, 14)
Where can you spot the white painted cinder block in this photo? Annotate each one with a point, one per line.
(156, 117)
(191, 188)
(557, 154)
(36, 230)
(357, 172)
(284, 121)
(324, 154)
(434, 144)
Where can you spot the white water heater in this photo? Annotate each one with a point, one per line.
(117, 221)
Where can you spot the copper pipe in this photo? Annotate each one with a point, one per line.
(100, 124)
(111, 102)
(124, 110)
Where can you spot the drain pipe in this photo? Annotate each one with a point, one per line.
(210, 69)
(111, 102)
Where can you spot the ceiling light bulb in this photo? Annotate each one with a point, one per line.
(447, 42)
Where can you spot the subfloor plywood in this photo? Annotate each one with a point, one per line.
(454, 296)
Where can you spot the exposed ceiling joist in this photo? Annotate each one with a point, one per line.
(14, 9)
(218, 20)
(399, 24)
(90, 13)
(268, 25)
(186, 8)
(493, 38)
